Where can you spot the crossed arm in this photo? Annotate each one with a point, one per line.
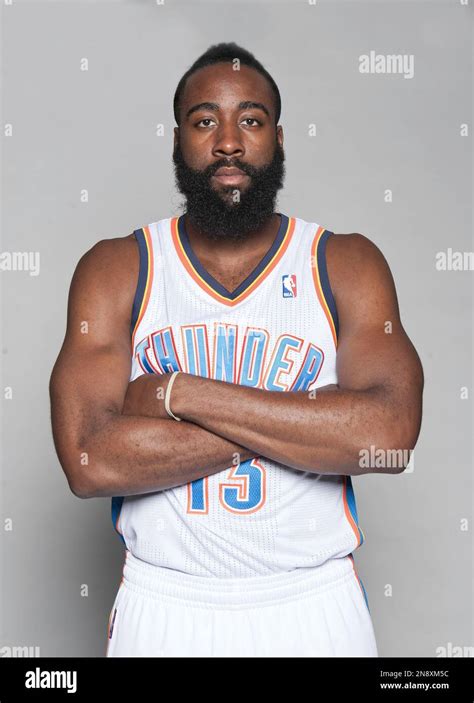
(115, 438)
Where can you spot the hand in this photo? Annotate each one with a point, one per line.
(145, 396)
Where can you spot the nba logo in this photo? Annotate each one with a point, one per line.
(288, 282)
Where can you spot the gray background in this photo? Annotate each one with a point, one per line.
(96, 130)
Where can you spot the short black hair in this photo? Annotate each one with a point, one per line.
(226, 52)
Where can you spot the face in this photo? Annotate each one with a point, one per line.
(227, 121)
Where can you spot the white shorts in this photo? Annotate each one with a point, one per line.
(309, 612)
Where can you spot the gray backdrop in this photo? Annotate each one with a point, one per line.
(96, 131)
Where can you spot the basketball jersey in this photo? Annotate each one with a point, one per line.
(277, 331)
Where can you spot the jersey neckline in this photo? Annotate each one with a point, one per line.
(208, 283)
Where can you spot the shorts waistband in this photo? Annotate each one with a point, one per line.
(162, 583)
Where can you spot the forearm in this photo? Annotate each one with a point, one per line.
(323, 432)
(133, 455)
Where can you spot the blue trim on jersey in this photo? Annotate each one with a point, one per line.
(116, 507)
(142, 276)
(324, 278)
(218, 287)
(351, 502)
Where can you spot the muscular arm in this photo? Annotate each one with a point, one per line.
(380, 378)
(102, 452)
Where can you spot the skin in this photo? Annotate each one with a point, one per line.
(210, 135)
(115, 438)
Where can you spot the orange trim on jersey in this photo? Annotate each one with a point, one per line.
(348, 513)
(205, 510)
(149, 282)
(317, 282)
(207, 288)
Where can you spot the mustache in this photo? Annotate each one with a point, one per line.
(210, 170)
(235, 163)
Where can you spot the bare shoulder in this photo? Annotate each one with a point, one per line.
(104, 283)
(355, 264)
(354, 252)
(115, 253)
(113, 262)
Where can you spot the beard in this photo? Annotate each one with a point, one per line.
(229, 213)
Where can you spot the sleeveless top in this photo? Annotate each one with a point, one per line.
(277, 331)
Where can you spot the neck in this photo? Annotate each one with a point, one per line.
(223, 248)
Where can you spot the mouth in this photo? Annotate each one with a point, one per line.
(230, 176)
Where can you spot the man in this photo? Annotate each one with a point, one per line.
(234, 499)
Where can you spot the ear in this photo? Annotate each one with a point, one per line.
(279, 134)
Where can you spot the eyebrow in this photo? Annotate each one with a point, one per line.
(246, 105)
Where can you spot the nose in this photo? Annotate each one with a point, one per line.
(228, 141)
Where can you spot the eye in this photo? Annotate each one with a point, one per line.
(205, 119)
(251, 119)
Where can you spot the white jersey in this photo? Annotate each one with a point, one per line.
(277, 331)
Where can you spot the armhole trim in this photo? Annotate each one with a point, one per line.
(145, 279)
(350, 509)
(321, 280)
(116, 509)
